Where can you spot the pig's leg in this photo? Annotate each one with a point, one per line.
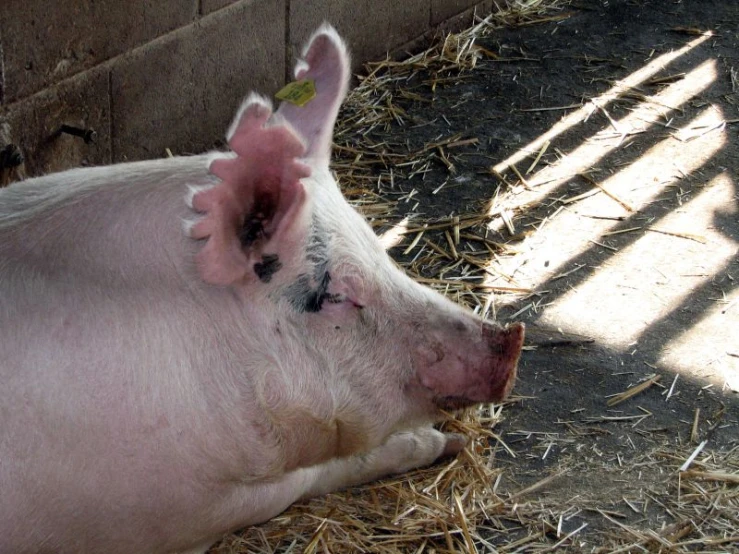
(401, 452)
(254, 503)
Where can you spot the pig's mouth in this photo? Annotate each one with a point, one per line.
(452, 403)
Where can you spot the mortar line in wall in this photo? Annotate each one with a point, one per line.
(110, 116)
(288, 50)
(2, 74)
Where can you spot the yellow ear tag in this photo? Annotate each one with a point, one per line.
(298, 92)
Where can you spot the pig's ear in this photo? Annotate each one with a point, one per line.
(256, 215)
(325, 66)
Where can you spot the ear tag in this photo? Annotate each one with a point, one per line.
(298, 92)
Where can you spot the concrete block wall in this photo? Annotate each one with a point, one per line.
(149, 76)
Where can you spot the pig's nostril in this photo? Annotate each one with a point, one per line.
(431, 354)
(439, 351)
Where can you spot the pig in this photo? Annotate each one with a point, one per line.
(190, 345)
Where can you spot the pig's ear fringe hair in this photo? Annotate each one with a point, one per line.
(325, 29)
(251, 99)
(187, 225)
(274, 120)
(193, 190)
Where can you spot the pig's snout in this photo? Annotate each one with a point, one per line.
(475, 366)
(504, 346)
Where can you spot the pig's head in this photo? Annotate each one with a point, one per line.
(346, 323)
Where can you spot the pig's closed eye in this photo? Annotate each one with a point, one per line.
(337, 299)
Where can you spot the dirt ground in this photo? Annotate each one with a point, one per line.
(601, 143)
(654, 303)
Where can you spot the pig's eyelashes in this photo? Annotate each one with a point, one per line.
(333, 298)
(340, 299)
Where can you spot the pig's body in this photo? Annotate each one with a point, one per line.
(103, 342)
(161, 387)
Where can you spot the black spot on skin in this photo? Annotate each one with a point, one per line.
(252, 230)
(313, 302)
(316, 296)
(307, 296)
(269, 265)
(310, 290)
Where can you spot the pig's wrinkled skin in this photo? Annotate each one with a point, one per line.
(190, 345)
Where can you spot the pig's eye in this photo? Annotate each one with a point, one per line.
(331, 298)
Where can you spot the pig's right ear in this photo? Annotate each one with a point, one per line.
(254, 219)
(325, 70)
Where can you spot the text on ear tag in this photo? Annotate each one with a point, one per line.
(298, 92)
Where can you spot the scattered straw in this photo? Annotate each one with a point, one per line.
(608, 193)
(693, 456)
(633, 391)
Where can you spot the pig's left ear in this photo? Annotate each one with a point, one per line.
(322, 79)
(254, 219)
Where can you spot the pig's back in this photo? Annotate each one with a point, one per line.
(90, 255)
(92, 219)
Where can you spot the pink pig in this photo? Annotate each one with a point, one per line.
(163, 384)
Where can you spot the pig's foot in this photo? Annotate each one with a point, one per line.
(401, 452)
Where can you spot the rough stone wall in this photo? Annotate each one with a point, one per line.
(143, 76)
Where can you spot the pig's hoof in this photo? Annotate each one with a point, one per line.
(409, 450)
